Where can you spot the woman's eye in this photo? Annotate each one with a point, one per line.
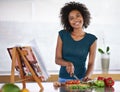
(78, 15)
(71, 18)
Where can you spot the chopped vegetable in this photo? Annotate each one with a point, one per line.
(78, 86)
(99, 85)
(73, 82)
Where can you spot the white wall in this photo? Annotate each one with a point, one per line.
(24, 20)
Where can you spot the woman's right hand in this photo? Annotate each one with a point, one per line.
(70, 68)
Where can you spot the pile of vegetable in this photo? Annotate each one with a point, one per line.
(104, 82)
(79, 86)
(75, 85)
(100, 82)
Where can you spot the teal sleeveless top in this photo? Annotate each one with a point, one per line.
(75, 52)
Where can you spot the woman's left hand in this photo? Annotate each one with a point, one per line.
(85, 79)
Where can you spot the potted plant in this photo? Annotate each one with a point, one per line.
(105, 59)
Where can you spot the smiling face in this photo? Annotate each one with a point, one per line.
(75, 19)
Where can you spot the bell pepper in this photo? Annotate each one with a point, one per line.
(99, 83)
(109, 82)
(100, 78)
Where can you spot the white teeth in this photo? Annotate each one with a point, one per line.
(76, 23)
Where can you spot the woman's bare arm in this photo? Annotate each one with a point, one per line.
(59, 60)
(91, 60)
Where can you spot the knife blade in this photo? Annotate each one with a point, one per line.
(75, 76)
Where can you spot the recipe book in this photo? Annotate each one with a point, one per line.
(35, 61)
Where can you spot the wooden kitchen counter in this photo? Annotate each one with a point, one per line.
(54, 77)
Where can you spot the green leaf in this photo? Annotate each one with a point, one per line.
(107, 49)
(101, 51)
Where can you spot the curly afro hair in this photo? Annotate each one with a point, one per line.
(74, 6)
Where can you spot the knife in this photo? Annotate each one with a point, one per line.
(75, 76)
(78, 78)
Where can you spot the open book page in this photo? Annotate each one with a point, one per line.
(37, 54)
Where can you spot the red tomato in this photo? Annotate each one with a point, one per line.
(76, 81)
(73, 82)
(69, 82)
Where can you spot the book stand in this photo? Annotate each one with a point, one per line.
(19, 55)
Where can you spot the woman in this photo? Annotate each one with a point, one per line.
(73, 44)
